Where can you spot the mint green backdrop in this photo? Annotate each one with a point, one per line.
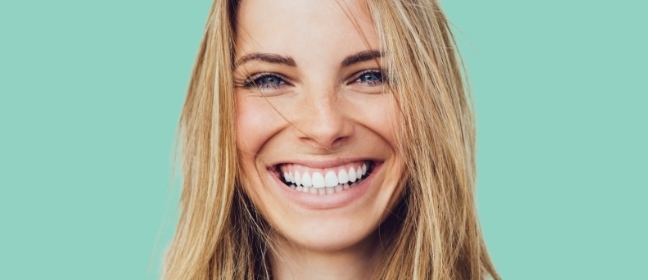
(90, 93)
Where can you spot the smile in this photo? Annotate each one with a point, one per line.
(324, 181)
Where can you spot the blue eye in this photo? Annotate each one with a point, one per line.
(264, 81)
(371, 77)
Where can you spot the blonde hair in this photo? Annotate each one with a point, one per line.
(220, 235)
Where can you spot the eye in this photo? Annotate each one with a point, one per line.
(370, 78)
(264, 81)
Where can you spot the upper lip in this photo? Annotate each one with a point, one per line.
(321, 164)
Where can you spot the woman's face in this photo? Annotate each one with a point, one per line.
(315, 131)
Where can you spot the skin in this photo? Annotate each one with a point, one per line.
(314, 111)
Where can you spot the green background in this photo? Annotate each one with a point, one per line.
(90, 94)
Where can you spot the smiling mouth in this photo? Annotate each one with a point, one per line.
(324, 181)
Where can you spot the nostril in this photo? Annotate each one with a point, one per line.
(327, 135)
(320, 142)
(339, 141)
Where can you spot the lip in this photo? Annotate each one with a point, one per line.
(322, 164)
(329, 201)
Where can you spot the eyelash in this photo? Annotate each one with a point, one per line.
(256, 80)
(379, 74)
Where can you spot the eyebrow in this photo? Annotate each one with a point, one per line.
(267, 57)
(289, 61)
(361, 57)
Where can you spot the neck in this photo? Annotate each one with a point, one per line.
(289, 261)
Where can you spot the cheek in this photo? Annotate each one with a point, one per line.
(256, 122)
(380, 115)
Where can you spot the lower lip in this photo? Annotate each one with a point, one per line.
(328, 201)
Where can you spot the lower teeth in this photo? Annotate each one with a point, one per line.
(324, 190)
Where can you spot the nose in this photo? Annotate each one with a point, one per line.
(323, 123)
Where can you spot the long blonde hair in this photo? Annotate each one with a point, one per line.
(221, 236)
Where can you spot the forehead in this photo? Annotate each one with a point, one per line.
(304, 28)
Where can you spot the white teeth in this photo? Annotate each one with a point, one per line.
(343, 177)
(318, 180)
(306, 180)
(352, 174)
(297, 178)
(329, 183)
(330, 179)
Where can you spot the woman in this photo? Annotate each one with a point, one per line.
(327, 140)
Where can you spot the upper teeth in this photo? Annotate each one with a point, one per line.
(325, 179)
